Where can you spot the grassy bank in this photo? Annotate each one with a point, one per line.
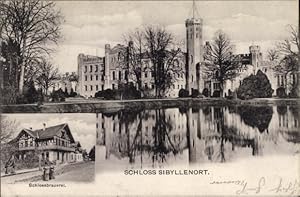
(93, 106)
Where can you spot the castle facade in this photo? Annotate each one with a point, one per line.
(100, 73)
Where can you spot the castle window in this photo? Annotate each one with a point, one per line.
(102, 77)
(196, 35)
(192, 78)
(192, 59)
(178, 86)
(152, 73)
(113, 74)
(91, 88)
(278, 80)
(85, 87)
(146, 86)
(96, 87)
(85, 69)
(113, 86)
(173, 86)
(126, 75)
(91, 68)
(91, 77)
(102, 87)
(152, 86)
(96, 68)
(120, 75)
(85, 77)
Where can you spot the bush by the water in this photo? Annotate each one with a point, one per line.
(294, 92)
(58, 95)
(205, 92)
(126, 91)
(195, 93)
(216, 93)
(183, 93)
(255, 86)
(280, 92)
(106, 94)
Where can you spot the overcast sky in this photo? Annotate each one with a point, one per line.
(82, 126)
(91, 24)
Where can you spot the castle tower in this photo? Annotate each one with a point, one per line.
(256, 57)
(106, 68)
(194, 45)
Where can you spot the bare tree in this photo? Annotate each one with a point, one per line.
(7, 129)
(133, 56)
(154, 50)
(32, 24)
(163, 52)
(290, 57)
(46, 75)
(220, 62)
(273, 55)
(7, 145)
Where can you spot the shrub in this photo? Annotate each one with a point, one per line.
(72, 93)
(216, 93)
(280, 92)
(183, 93)
(205, 92)
(294, 92)
(106, 94)
(58, 95)
(255, 86)
(195, 93)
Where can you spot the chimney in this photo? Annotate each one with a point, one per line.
(44, 126)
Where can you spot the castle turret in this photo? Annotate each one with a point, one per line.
(256, 57)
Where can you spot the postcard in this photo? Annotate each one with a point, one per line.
(150, 98)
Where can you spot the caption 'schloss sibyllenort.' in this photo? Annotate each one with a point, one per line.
(166, 172)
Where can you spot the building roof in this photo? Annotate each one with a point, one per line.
(48, 132)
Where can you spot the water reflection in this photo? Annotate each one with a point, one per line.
(160, 137)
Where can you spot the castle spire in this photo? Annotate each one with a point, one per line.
(195, 10)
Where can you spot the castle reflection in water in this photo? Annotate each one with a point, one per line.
(158, 137)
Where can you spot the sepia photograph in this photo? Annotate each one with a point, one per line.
(131, 97)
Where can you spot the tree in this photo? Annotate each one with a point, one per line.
(152, 50)
(31, 95)
(133, 55)
(7, 129)
(32, 25)
(164, 54)
(273, 55)
(220, 62)
(289, 59)
(255, 86)
(46, 76)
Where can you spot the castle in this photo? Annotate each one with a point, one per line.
(100, 73)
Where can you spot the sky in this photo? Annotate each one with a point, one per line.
(89, 25)
(82, 126)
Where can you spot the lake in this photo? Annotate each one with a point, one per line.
(160, 138)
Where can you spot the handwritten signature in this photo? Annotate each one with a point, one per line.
(263, 185)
